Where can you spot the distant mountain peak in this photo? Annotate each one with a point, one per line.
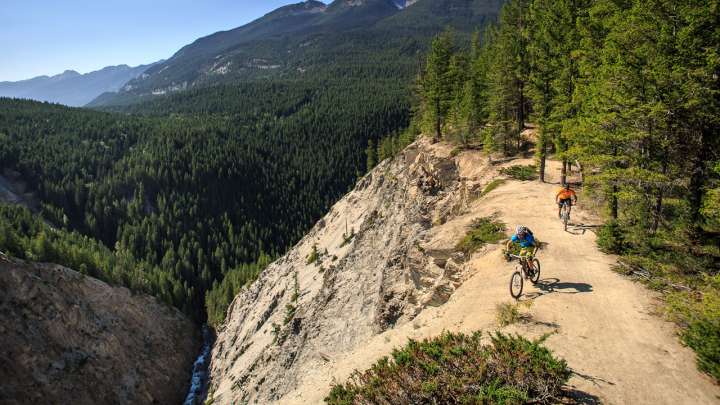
(305, 7)
(67, 73)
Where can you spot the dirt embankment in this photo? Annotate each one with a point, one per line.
(400, 276)
(71, 339)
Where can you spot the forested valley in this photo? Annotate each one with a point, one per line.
(176, 203)
(187, 196)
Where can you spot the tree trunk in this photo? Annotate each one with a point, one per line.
(698, 177)
(697, 183)
(563, 172)
(438, 126)
(614, 203)
(521, 109)
(542, 166)
(657, 211)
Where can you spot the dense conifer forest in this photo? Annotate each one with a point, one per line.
(629, 91)
(191, 197)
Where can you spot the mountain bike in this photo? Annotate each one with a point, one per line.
(523, 271)
(565, 214)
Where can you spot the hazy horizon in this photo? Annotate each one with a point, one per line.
(39, 39)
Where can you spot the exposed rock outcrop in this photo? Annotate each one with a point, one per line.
(71, 339)
(381, 259)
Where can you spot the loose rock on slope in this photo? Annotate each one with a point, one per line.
(71, 339)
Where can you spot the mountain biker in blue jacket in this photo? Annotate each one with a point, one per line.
(523, 237)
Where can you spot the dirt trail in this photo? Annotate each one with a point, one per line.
(603, 323)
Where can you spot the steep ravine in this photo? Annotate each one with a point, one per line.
(387, 269)
(71, 339)
(379, 266)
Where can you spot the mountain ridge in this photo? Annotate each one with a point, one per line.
(70, 87)
(307, 36)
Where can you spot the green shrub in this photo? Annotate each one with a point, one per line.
(699, 314)
(483, 231)
(458, 368)
(610, 238)
(313, 256)
(519, 172)
(348, 238)
(703, 336)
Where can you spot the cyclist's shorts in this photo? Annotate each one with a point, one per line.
(527, 251)
(565, 201)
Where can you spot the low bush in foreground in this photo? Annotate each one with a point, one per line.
(458, 368)
(483, 231)
(519, 172)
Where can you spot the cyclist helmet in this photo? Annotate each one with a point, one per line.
(520, 230)
(566, 185)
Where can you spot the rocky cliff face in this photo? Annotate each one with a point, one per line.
(67, 338)
(375, 261)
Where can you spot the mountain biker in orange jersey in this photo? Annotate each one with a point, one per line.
(565, 195)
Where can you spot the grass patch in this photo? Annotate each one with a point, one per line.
(508, 313)
(348, 238)
(458, 368)
(483, 230)
(492, 186)
(520, 172)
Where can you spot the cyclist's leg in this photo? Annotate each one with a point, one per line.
(526, 253)
(564, 203)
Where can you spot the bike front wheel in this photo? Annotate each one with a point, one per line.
(516, 285)
(536, 268)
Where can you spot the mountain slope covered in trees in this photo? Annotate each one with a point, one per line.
(311, 41)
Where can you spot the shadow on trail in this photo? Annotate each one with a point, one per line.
(580, 229)
(576, 396)
(554, 285)
(581, 397)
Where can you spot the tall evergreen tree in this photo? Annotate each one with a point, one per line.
(438, 83)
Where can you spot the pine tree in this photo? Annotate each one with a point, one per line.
(438, 83)
(509, 72)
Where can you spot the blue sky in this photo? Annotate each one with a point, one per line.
(49, 36)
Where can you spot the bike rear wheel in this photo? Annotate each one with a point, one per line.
(516, 285)
(536, 268)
